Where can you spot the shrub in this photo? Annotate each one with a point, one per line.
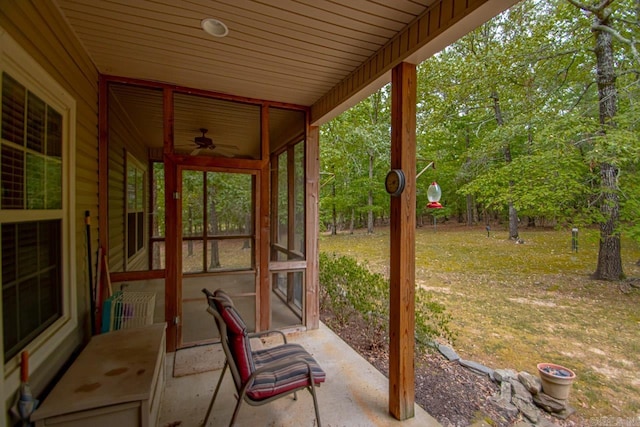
(348, 288)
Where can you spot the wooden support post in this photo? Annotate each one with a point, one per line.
(263, 291)
(312, 168)
(402, 248)
(173, 220)
(263, 238)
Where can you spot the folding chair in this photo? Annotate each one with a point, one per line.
(263, 375)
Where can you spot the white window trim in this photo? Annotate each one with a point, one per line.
(29, 73)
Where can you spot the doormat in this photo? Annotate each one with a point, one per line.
(194, 360)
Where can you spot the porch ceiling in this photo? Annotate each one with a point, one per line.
(304, 52)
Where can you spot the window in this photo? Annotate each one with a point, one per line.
(31, 291)
(38, 275)
(31, 178)
(135, 207)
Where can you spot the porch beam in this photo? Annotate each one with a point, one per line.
(402, 244)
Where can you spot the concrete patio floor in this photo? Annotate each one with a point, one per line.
(354, 394)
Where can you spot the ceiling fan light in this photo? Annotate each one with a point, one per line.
(214, 27)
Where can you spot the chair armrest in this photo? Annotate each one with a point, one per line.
(266, 333)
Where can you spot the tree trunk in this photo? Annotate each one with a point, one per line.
(471, 213)
(471, 217)
(190, 242)
(334, 215)
(215, 253)
(513, 213)
(609, 255)
(513, 222)
(370, 201)
(352, 224)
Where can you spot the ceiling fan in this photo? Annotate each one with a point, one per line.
(205, 143)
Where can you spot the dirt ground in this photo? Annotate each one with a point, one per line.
(452, 394)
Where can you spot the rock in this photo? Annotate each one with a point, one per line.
(507, 406)
(532, 383)
(505, 391)
(550, 404)
(527, 408)
(448, 352)
(503, 399)
(543, 422)
(477, 367)
(566, 413)
(504, 374)
(520, 390)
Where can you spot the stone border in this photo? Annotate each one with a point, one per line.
(520, 392)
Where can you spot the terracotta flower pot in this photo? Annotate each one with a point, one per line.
(556, 380)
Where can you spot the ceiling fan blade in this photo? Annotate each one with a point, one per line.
(195, 152)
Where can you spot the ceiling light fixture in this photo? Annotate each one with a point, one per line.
(214, 27)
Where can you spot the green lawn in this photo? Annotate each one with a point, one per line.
(516, 305)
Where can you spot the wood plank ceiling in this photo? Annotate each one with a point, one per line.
(300, 48)
(324, 54)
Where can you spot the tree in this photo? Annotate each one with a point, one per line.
(513, 212)
(609, 255)
(511, 116)
(354, 151)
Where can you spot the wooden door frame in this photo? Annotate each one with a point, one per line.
(177, 297)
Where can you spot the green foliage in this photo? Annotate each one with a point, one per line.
(630, 204)
(354, 156)
(545, 185)
(432, 319)
(348, 287)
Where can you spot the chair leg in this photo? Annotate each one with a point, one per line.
(236, 410)
(215, 394)
(312, 390)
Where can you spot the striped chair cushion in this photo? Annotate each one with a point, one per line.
(238, 338)
(287, 378)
